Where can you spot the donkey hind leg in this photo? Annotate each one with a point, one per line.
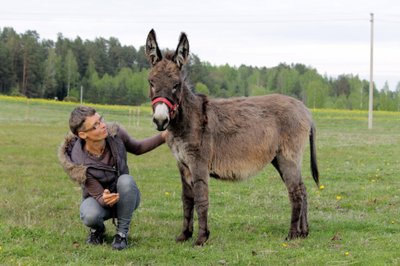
(187, 204)
(291, 174)
(299, 222)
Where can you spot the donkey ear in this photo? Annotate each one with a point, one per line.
(153, 53)
(182, 51)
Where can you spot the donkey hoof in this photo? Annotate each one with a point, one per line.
(184, 236)
(181, 238)
(304, 234)
(200, 241)
(296, 234)
(203, 237)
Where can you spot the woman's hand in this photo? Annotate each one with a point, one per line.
(164, 134)
(110, 198)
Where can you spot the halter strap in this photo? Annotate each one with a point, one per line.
(172, 107)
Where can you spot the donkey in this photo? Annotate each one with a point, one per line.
(228, 139)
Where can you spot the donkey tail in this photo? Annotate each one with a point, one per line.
(313, 155)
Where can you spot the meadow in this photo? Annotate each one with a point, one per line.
(354, 215)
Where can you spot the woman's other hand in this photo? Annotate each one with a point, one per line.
(110, 198)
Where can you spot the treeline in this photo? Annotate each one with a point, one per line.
(111, 73)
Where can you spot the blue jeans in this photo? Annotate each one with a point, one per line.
(93, 214)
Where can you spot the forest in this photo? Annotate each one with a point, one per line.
(111, 73)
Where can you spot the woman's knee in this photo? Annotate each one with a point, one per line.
(91, 218)
(126, 183)
(128, 190)
(91, 212)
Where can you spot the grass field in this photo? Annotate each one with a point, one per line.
(354, 218)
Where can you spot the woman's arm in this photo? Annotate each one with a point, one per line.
(139, 147)
(95, 190)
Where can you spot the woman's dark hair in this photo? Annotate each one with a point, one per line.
(78, 117)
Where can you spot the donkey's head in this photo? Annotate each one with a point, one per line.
(166, 79)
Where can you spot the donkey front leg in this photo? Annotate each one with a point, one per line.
(187, 204)
(200, 189)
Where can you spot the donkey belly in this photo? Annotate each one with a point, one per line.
(243, 151)
(239, 167)
(234, 174)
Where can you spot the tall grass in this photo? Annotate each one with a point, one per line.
(354, 216)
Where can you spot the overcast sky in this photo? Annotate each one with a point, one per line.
(331, 36)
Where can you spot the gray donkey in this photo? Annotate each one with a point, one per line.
(228, 139)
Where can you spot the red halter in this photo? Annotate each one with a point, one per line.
(172, 107)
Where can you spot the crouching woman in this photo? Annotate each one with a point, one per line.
(95, 155)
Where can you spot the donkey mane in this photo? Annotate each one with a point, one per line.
(193, 101)
(169, 55)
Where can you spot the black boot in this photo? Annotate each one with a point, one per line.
(96, 236)
(120, 241)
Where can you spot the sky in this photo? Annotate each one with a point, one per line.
(333, 37)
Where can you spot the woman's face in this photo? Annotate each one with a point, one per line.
(94, 128)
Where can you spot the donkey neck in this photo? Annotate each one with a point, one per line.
(191, 112)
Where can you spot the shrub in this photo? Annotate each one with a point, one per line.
(71, 99)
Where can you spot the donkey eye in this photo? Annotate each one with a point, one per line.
(176, 87)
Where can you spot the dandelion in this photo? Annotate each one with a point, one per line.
(393, 222)
(338, 197)
(284, 245)
(321, 187)
(167, 194)
(347, 253)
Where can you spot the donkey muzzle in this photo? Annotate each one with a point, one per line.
(162, 124)
(163, 110)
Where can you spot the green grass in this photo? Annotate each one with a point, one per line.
(353, 220)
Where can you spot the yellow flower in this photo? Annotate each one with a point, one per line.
(284, 245)
(347, 253)
(167, 194)
(338, 197)
(321, 187)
